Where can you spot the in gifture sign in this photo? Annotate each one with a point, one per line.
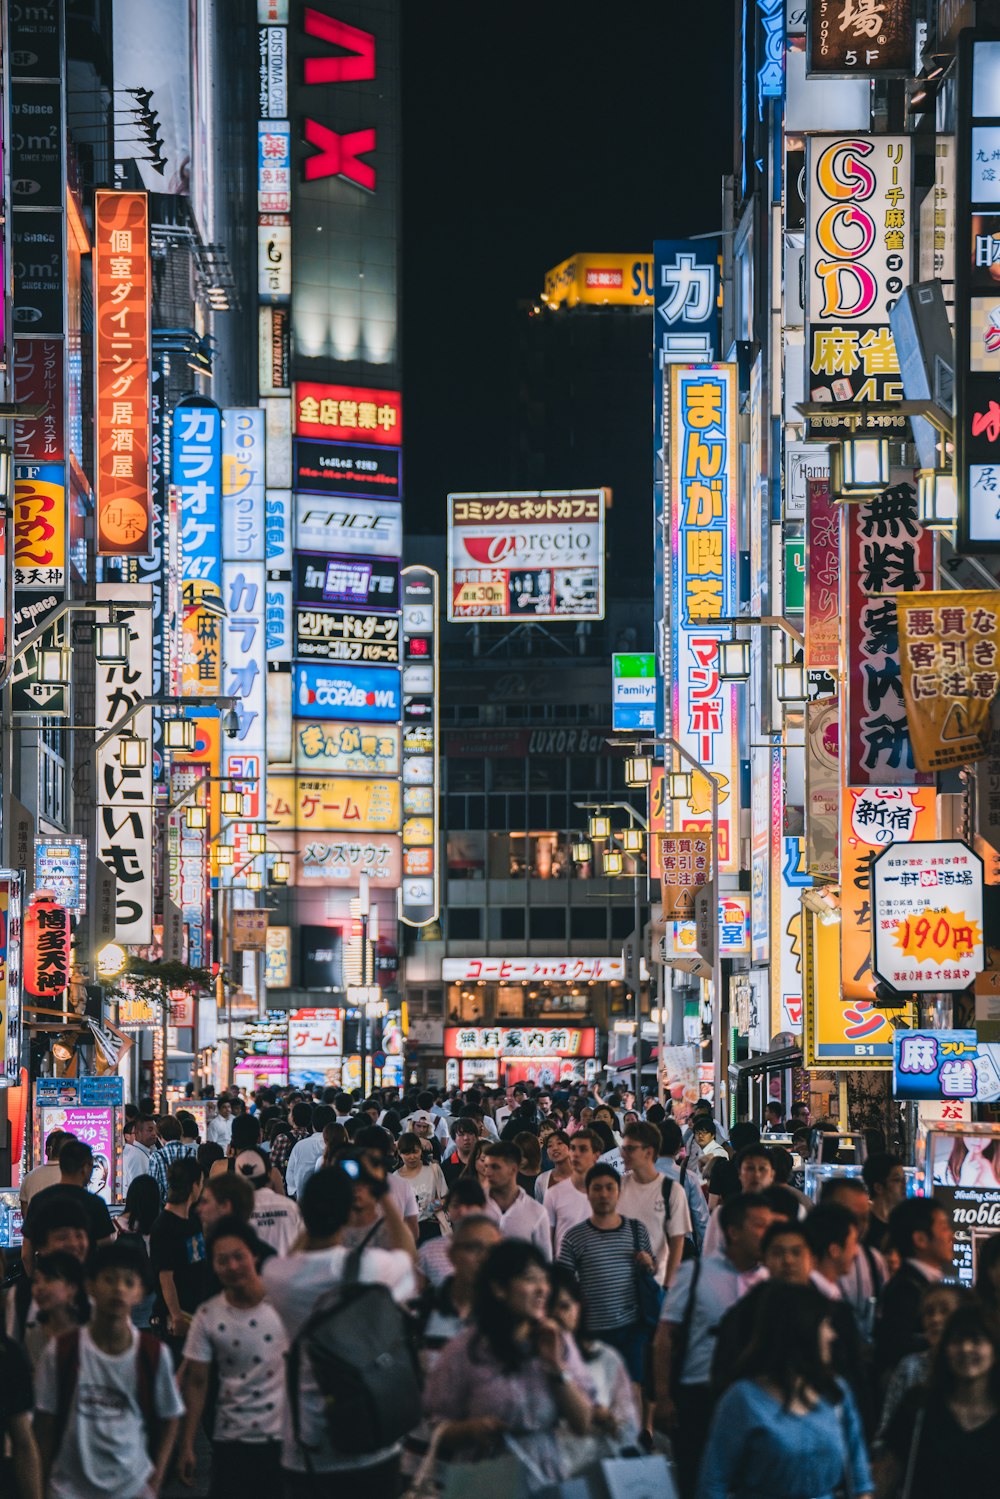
(532, 555)
(360, 582)
(927, 916)
(950, 656)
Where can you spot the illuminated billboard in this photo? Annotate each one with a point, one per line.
(600, 281)
(527, 555)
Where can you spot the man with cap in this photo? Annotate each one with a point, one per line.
(275, 1220)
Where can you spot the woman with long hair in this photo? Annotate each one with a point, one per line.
(335, 1139)
(787, 1425)
(938, 1303)
(514, 1372)
(950, 1431)
(616, 1419)
(531, 1160)
(973, 1162)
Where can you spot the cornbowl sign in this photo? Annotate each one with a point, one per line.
(927, 908)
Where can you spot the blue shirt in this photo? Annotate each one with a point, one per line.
(756, 1449)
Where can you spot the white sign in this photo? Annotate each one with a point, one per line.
(368, 528)
(803, 461)
(316, 1033)
(531, 970)
(125, 794)
(927, 916)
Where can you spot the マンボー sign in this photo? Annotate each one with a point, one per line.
(927, 909)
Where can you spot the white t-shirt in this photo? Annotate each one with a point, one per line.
(220, 1131)
(645, 1201)
(294, 1285)
(275, 1219)
(135, 1162)
(305, 1156)
(247, 1346)
(566, 1207)
(402, 1195)
(427, 1187)
(103, 1452)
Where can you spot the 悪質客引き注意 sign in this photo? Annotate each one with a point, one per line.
(949, 645)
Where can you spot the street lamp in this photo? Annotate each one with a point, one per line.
(632, 840)
(638, 770)
(112, 644)
(225, 853)
(179, 734)
(937, 501)
(54, 666)
(599, 827)
(131, 752)
(232, 803)
(582, 853)
(791, 682)
(613, 863)
(196, 818)
(281, 872)
(863, 465)
(680, 785)
(734, 660)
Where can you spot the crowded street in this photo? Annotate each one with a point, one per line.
(499, 749)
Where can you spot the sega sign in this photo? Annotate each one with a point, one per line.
(357, 693)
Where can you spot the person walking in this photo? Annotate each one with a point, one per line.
(427, 1182)
(47, 1174)
(240, 1336)
(756, 1174)
(514, 1370)
(787, 1425)
(684, 1346)
(465, 1198)
(567, 1204)
(671, 1145)
(556, 1146)
(275, 1219)
(921, 1232)
(76, 1167)
(140, 1142)
(177, 1254)
(517, 1215)
(948, 1434)
(607, 1253)
(220, 1128)
(457, 1160)
(655, 1200)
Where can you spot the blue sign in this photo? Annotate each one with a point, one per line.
(102, 1092)
(935, 1064)
(634, 692)
(196, 474)
(357, 694)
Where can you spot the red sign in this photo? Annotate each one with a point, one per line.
(121, 295)
(38, 381)
(46, 948)
(888, 552)
(604, 278)
(337, 155)
(519, 1041)
(349, 413)
(822, 576)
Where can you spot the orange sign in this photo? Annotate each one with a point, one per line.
(39, 525)
(46, 948)
(122, 348)
(871, 818)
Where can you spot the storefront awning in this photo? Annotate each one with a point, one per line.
(627, 1064)
(766, 1061)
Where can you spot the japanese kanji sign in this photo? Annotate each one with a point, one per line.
(248, 931)
(341, 635)
(935, 1064)
(39, 525)
(329, 748)
(871, 819)
(349, 412)
(836, 1033)
(888, 552)
(685, 865)
(858, 251)
(822, 576)
(196, 488)
(950, 656)
(927, 916)
(860, 38)
(532, 555)
(702, 587)
(122, 361)
(522, 1041)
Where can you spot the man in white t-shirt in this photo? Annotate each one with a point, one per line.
(568, 1204)
(275, 1219)
(241, 1334)
(306, 1154)
(220, 1127)
(654, 1199)
(294, 1284)
(517, 1215)
(120, 1384)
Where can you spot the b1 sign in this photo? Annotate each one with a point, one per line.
(633, 692)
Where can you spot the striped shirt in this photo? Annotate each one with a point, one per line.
(603, 1260)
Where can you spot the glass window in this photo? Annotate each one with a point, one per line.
(507, 775)
(465, 775)
(622, 921)
(511, 1002)
(465, 923)
(587, 922)
(512, 923)
(547, 923)
(466, 855)
(496, 812)
(454, 812)
(547, 773)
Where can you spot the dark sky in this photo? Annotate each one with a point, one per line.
(533, 130)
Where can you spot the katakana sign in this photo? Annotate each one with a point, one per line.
(858, 251)
(950, 656)
(533, 555)
(531, 970)
(927, 916)
(333, 804)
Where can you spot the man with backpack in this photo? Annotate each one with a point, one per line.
(353, 1390)
(107, 1406)
(654, 1199)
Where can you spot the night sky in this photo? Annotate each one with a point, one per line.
(533, 130)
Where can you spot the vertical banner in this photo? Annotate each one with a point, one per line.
(419, 898)
(822, 577)
(823, 788)
(122, 360)
(125, 793)
(858, 250)
(196, 478)
(10, 977)
(888, 552)
(702, 567)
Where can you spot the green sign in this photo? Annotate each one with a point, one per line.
(639, 664)
(795, 575)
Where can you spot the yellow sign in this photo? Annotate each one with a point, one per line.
(601, 280)
(836, 1033)
(278, 957)
(949, 650)
(333, 804)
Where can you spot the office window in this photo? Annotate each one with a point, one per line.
(465, 923)
(547, 924)
(588, 922)
(512, 923)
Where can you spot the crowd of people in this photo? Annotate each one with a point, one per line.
(335, 1295)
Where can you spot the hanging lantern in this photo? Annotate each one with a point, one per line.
(46, 947)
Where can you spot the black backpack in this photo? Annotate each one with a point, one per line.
(359, 1344)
